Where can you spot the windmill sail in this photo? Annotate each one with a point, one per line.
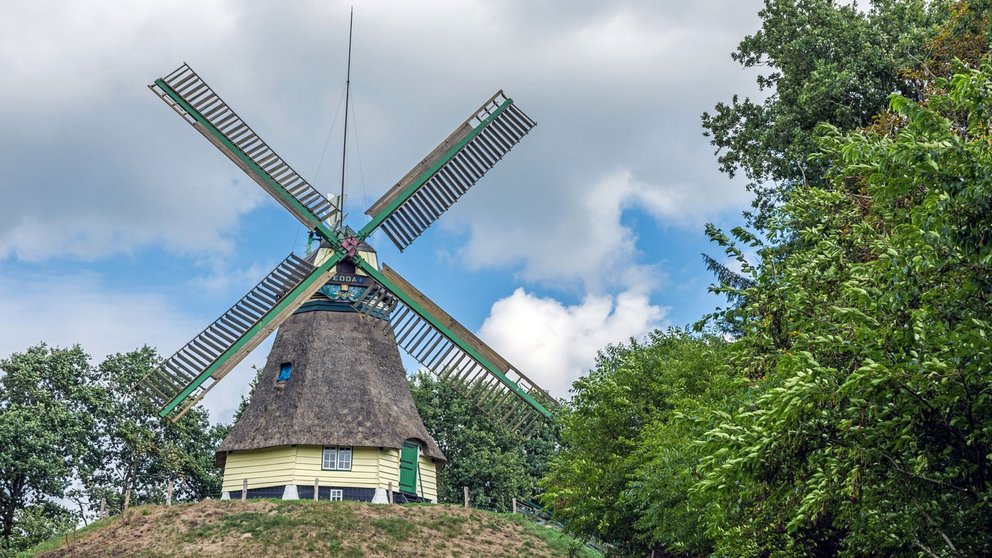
(198, 104)
(420, 327)
(461, 160)
(185, 377)
(453, 353)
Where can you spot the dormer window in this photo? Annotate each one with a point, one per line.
(285, 371)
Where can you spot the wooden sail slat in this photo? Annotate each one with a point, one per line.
(412, 205)
(208, 112)
(210, 344)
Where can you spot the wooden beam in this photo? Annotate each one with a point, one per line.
(420, 168)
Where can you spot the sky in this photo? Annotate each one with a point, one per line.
(120, 226)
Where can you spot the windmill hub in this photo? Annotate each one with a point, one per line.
(340, 422)
(350, 245)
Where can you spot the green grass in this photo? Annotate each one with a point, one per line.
(560, 542)
(396, 528)
(286, 523)
(56, 542)
(306, 528)
(446, 525)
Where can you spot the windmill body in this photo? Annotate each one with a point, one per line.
(333, 407)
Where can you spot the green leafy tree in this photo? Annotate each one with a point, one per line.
(47, 404)
(627, 455)
(73, 432)
(37, 523)
(825, 61)
(869, 427)
(495, 464)
(140, 452)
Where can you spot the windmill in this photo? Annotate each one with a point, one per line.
(333, 412)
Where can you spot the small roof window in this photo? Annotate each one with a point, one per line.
(285, 371)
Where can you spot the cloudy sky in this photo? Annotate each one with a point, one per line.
(120, 226)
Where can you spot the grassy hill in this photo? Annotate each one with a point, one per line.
(303, 528)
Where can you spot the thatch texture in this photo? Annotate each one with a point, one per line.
(348, 387)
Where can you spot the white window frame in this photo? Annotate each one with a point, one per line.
(341, 463)
(336, 463)
(336, 494)
(329, 464)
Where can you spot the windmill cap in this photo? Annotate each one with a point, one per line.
(325, 245)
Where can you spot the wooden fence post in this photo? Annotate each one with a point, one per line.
(127, 499)
(103, 508)
(465, 491)
(244, 490)
(389, 492)
(316, 488)
(168, 493)
(514, 505)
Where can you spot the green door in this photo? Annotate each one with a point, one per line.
(408, 467)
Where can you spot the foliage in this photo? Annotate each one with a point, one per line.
(826, 61)
(72, 432)
(626, 458)
(47, 402)
(495, 464)
(139, 451)
(870, 427)
(37, 523)
(851, 414)
(965, 36)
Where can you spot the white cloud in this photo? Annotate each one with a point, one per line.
(88, 149)
(590, 246)
(88, 154)
(554, 344)
(224, 279)
(78, 309)
(83, 153)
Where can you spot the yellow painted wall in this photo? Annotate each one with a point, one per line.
(265, 467)
(427, 479)
(364, 471)
(300, 465)
(389, 468)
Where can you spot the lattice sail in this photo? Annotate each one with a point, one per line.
(182, 380)
(505, 399)
(198, 104)
(461, 160)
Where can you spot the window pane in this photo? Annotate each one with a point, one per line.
(344, 458)
(284, 372)
(337, 494)
(329, 458)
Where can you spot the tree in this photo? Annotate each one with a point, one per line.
(827, 62)
(626, 460)
(140, 452)
(869, 427)
(37, 523)
(69, 431)
(495, 464)
(47, 429)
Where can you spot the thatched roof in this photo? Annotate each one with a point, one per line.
(348, 387)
